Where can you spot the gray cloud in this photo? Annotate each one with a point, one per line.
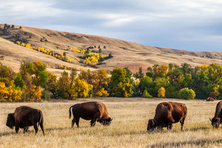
(189, 25)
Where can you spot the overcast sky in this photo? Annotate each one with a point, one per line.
(194, 25)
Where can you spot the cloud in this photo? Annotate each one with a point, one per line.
(29, 9)
(190, 24)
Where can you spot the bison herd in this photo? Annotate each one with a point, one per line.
(166, 114)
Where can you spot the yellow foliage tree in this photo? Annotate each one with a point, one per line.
(102, 93)
(3, 92)
(9, 93)
(33, 92)
(82, 88)
(14, 94)
(160, 70)
(161, 92)
(215, 93)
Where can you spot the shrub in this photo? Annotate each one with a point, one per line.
(161, 92)
(215, 93)
(187, 93)
(102, 93)
(146, 94)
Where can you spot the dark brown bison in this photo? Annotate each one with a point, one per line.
(25, 116)
(217, 119)
(210, 99)
(166, 114)
(94, 111)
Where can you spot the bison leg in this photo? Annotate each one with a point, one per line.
(41, 125)
(36, 128)
(77, 122)
(93, 122)
(182, 122)
(169, 127)
(73, 121)
(16, 129)
(25, 129)
(159, 128)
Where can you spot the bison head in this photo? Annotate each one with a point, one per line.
(10, 120)
(215, 122)
(151, 125)
(105, 122)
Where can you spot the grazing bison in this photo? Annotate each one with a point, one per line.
(217, 119)
(166, 114)
(94, 111)
(25, 116)
(210, 99)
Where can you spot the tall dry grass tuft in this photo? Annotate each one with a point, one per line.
(128, 128)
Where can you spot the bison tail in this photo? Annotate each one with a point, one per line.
(41, 118)
(70, 111)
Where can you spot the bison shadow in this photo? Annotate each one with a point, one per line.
(7, 133)
(197, 128)
(201, 143)
(32, 131)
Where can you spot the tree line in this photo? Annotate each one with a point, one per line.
(33, 82)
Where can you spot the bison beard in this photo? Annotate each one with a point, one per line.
(25, 116)
(94, 111)
(166, 114)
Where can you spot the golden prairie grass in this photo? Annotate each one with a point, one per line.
(128, 128)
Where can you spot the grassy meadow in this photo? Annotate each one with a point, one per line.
(128, 129)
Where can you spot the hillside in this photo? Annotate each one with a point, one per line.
(125, 54)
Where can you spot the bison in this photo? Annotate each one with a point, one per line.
(166, 114)
(210, 99)
(94, 111)
(25, 116)
(216, 120)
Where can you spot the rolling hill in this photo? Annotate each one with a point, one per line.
(125, 54)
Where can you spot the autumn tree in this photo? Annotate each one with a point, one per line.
(161, 92)
(98, 79)
(82, 89)
(6, 75)
(160, 71)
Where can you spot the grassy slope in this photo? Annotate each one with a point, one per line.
(127, 130)
(126, 54)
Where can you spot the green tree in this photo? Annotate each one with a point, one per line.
(185, 68)
(40, 74)
(52, 85)
(19, 82)
(187, 94)
(146, 83)
(119, 75)
(139, 75)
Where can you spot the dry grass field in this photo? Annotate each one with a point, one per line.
(128, 128)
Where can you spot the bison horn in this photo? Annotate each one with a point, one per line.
(210, 119)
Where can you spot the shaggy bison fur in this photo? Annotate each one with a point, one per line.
(94, 111)
(210, 99)
(217, 119)
(166, 114)
(25, 116)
